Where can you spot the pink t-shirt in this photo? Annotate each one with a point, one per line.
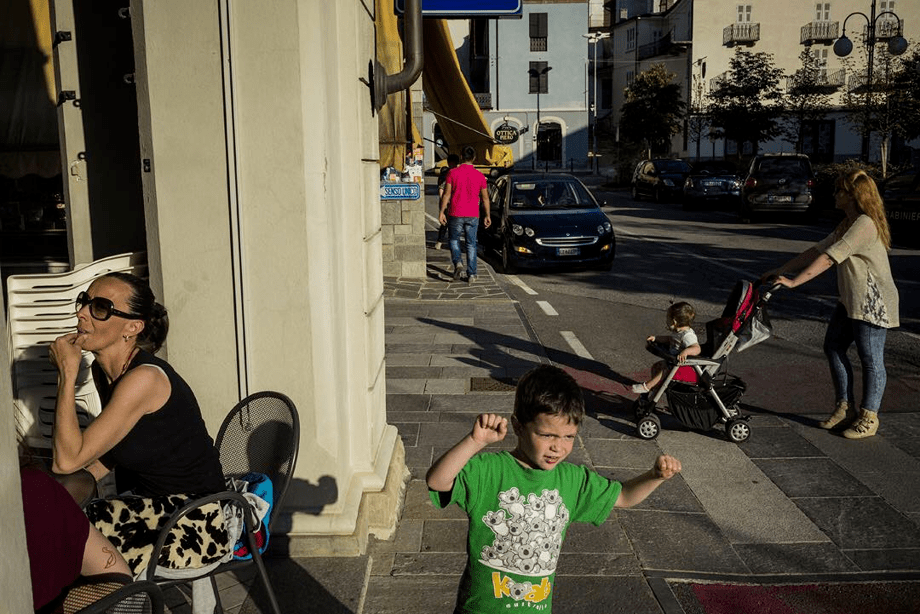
(465, 184)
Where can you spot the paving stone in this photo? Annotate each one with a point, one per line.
(396, 417)
(418, 506)
(890, 559)
(413, 372)
(407, 402)
(678, 541)
(861, 522)
(603, 594)
(781, 442)
(334, 584)
(794, 558)
(673, 496)
(584, 564)
(410, 594)
(443, 433)
(445, 535)
(583, 537)
(622, 453)
(446, 386)
(811, 477)
(407, 538)
(405, 386)
(410, 360)
(408, 433)
(420, 564)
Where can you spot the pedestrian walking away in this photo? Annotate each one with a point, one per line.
(520, 502)
(465, 191)
(868, 303)
(453, 161)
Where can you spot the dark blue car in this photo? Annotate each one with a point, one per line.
(547, 220)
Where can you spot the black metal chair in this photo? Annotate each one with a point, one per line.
(261, 434)
(111, 594)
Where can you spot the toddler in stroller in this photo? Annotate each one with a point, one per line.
(682, 343)
(700, 391)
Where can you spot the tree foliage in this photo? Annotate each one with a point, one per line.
(745, 105)
(654, 109)
(807, 99)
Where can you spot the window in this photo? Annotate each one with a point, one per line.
(538, 31)
(538, 80)
(630, 75)
(744, 13)
(885, 5)
(823, 11)
(631, 39)
(820, 56)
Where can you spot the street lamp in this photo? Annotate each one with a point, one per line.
(843, 46)
(593, 38)
(538, 74)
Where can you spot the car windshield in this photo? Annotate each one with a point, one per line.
(673, 166)
(709, 168)
(549, 194)
(783, 167)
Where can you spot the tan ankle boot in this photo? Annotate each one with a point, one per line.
(866, 426)
(841, 414)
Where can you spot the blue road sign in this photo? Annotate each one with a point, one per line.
(400, 191)
(467, 8)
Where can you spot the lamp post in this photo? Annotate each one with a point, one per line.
(538, 73)
(593, 38)
(843, 46)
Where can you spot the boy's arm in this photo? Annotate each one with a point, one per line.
(488, 428)
(637, 489)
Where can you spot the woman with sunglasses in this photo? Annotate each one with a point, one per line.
(868, 303)
(150, 430)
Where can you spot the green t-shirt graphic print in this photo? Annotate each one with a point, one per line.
(518, 520)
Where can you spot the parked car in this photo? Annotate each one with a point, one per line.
(712, 181)
(777, 182)
(901, 193)
(660, 179)
(544, 220)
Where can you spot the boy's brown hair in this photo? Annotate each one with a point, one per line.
(548, 390)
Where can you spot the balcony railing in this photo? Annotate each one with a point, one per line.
(825, 82)
(538, 43)
(820, 32)
(484, 100)
(885, 27)
(717, 81)
(741, 34)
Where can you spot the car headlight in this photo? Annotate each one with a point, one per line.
(736, 184)
(529, 232)
(604, 228)
(517, 229)
(668, 183)
(688, 183)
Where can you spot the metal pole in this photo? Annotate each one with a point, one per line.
(594, 106)
(870, 42)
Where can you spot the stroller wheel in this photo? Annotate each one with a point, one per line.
(649, 426)
(737, 430)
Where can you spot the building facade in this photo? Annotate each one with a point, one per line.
(696, 39)
(529, 73)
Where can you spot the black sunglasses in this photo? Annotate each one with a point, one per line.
(102, 308)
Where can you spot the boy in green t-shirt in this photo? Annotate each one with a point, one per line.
(521, 502)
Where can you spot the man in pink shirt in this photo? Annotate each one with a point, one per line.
(464, 188)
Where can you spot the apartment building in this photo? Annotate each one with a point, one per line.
(695, 39)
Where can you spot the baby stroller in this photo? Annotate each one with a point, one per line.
(700, 392)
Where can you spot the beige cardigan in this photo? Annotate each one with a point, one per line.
(864, 281)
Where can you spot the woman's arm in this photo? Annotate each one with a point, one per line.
(796, 264)
(140, 391)
(821, 263)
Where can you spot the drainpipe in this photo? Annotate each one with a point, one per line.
(385, 84)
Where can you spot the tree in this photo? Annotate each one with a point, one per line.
(807, 99)
(887, 106)
(654, 109)
(745, 105)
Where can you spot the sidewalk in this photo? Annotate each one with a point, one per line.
(794, 505)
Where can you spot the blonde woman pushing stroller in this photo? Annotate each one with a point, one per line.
(681, 343)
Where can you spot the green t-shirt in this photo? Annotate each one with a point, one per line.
(518, 519)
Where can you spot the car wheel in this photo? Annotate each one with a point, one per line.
(648, 427)
(508, 259)
(635, 193)
(737, 430)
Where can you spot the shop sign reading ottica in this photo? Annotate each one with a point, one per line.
(467, 8)
(506, 134)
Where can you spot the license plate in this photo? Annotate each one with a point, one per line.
(781, 199)
(567, 251)
(712, 184)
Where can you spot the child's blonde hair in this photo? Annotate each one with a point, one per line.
(680, 314)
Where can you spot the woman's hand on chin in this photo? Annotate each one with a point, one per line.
(65, 353)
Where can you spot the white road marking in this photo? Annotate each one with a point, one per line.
(575, 344)
(547, 308)
(517, 281)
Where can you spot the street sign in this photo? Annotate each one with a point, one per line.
(467, 8)
(400, 191)
(506, 134)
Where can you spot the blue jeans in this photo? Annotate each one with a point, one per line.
(842, 332)
(468, 227)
